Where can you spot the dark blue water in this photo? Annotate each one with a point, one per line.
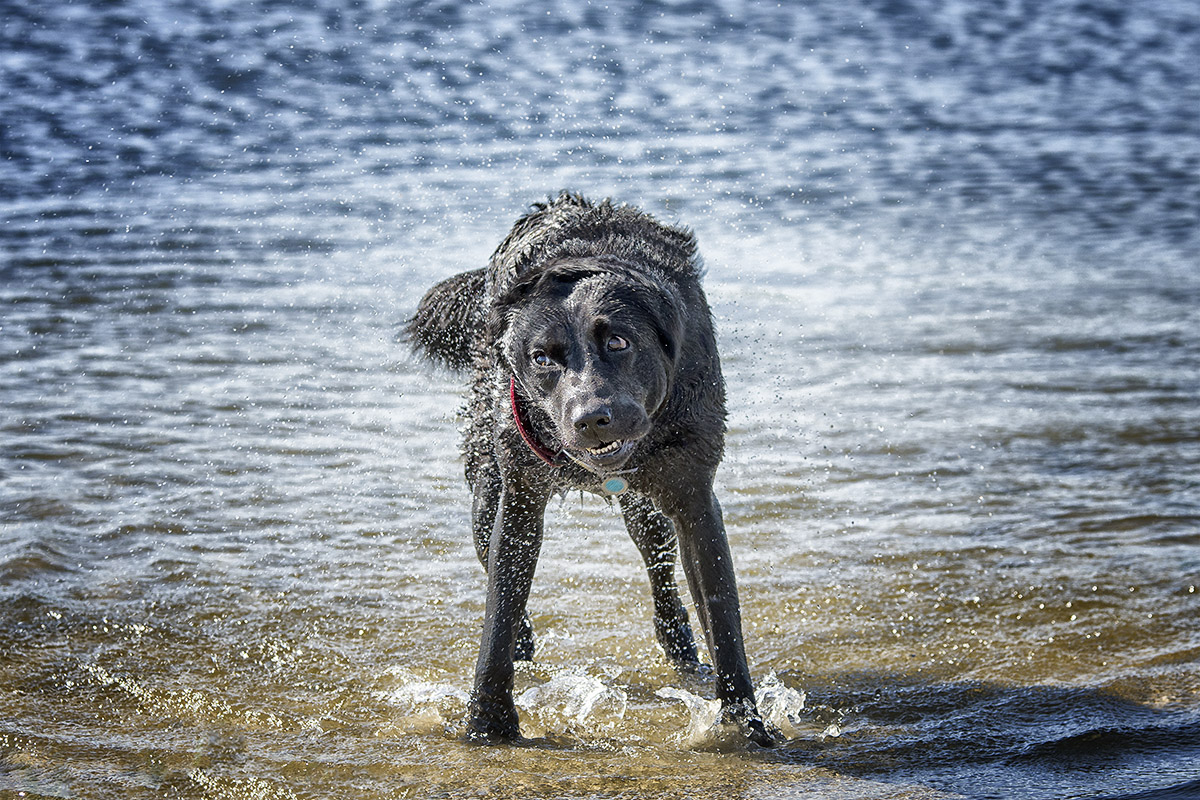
(953, 252)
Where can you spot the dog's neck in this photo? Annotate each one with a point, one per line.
(523, 428)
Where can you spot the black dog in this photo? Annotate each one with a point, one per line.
(595, 368)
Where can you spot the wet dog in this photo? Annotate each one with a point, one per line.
(595, 367)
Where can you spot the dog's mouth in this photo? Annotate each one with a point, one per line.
(607, 456)
(606, 450)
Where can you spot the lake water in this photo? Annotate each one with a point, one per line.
(952, 250)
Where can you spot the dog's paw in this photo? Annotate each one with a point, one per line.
(697, 668)
(492, 721)
(760, 733)
(752, 725)
(489, 731)
(676, 639)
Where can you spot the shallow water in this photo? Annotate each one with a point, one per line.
(952, 255)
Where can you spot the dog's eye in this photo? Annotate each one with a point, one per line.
(617, 342)
(540, 358)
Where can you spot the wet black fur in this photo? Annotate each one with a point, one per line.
(596, 312)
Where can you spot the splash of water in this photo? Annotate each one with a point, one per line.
(426, 705)
(780, 705)
(570, 699)
(703, 716)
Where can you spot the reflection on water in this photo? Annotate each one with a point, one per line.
(951, 251)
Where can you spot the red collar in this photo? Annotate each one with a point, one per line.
(538, 450)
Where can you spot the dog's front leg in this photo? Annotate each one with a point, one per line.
(708, 565)
(512, 557)
(487, 488)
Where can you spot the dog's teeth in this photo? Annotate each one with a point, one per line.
(611, 447)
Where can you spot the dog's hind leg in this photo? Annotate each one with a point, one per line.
(486, 486)
(483, 518)
(655, 539)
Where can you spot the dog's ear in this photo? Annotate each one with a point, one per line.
(531, 284)
(500, 310)
(662, 306)
(669, 323)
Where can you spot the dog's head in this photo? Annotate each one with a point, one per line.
(594, 346)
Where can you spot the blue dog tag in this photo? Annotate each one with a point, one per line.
(614, 485)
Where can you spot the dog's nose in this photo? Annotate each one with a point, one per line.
(593, 420)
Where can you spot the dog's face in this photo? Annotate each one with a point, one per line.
(595, 348)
